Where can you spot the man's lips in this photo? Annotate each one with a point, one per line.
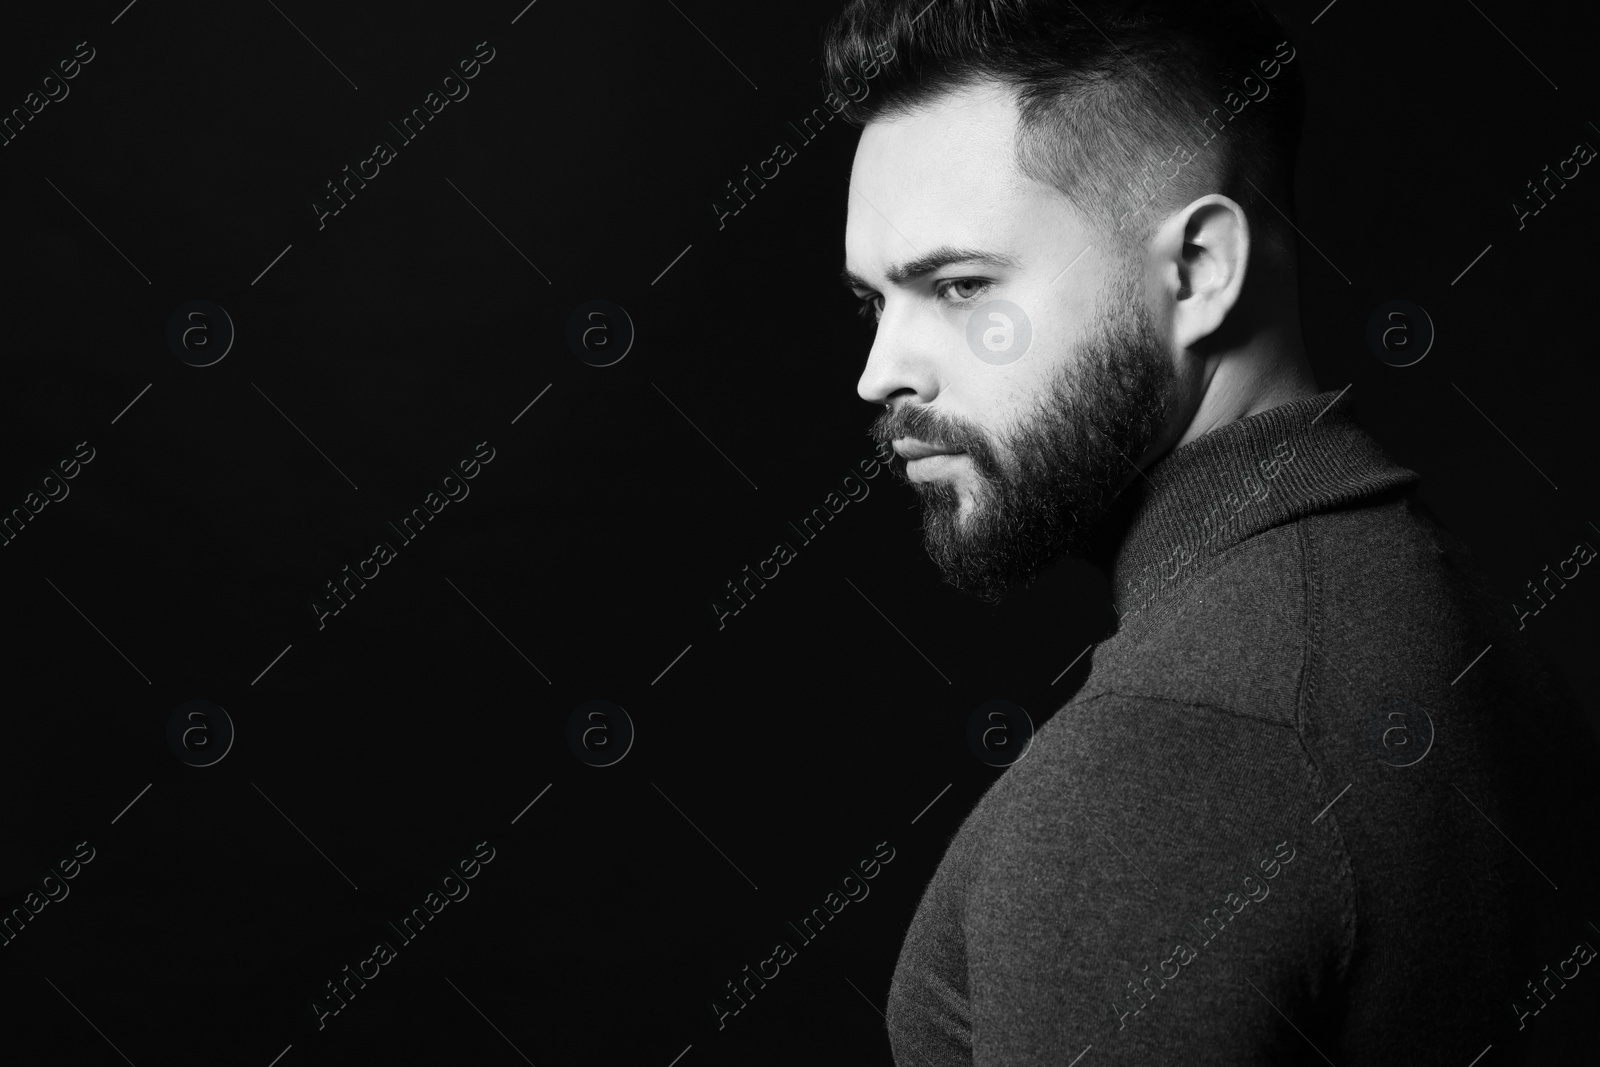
(909, 450)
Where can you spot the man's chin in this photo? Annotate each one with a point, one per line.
(966, 575)
(945, 510)
(964, 561)
(976, 557)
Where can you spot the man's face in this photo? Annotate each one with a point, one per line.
(1038, 406)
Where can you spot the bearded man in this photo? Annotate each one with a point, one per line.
(1317, 800)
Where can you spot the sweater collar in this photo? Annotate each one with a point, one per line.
(1225, 486)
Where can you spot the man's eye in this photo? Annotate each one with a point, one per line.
(977, 285)
(871, 308)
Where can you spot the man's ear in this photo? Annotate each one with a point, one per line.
(1207, 248)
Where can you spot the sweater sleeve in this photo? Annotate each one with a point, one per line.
(1156, 886)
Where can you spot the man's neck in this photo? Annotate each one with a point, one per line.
(1273, 371)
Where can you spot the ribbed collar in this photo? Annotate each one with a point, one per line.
(1198, 501)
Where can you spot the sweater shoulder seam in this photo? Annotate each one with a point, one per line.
(1305, 699)
(1220, 709)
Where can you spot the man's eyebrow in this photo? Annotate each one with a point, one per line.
(926, 264)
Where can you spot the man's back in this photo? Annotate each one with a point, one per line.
(1315, 799)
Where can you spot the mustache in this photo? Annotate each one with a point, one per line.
(938, 429)
(927, 426)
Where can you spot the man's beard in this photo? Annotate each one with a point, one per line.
(1052, 481)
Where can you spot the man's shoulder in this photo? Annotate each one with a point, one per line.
(1108, 757)
(1127, 806)
(1378, 587)
(1384, 559)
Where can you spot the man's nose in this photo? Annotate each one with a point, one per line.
(898, 363)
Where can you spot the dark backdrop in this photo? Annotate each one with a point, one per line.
(824, 721)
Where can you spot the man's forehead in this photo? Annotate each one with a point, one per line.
(957, 144)
(943, 176)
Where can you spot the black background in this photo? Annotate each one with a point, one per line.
(775, 752)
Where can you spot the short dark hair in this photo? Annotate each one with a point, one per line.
(1106, 90)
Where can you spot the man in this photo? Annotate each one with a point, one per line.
(1316, 800)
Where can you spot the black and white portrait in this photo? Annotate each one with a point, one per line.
(917, 533)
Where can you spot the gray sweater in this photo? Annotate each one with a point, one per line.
(1295, 814)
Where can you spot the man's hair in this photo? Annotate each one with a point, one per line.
(1106, 90)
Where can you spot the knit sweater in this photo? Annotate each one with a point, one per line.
(1296, 813)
